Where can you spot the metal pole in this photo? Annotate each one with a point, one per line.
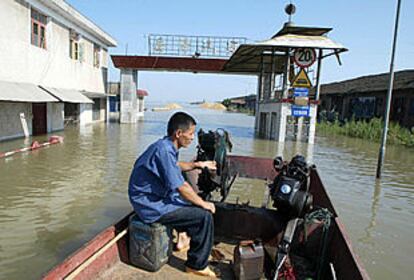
(285, 88)
(262, 76)
(149, 45)
(272, 76)
(259, 97)
(318, 75)
(389, 96)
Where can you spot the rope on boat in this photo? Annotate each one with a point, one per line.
(325, 216)
(92, 258)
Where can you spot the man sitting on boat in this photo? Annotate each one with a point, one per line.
(159, 193)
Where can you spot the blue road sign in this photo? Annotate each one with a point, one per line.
(300, 111)
(300, 92)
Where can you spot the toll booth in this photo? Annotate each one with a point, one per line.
(288, 67)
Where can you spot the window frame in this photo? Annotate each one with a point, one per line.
(96, 55)
(38, 42)
(76, 48)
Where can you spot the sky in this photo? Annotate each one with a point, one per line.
(364, 27)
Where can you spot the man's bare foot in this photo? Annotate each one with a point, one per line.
(203, 272)
(183, 243)
(217, 255)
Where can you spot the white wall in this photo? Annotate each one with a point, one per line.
(10, 120)
(140, 107)
(103, 109)
(85, 115)
(55, 116)
(24, 62)
(282, 111)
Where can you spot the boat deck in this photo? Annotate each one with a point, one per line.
(174, 269)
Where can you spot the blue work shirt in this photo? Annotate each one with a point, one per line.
(154, 182)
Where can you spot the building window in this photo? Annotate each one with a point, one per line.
(96, 55)
(38, 29)
(75, 46)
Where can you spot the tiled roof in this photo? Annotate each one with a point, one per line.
(372, 83)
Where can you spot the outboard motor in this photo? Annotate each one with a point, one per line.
(290, 188)
(214, 145)
(290, 194)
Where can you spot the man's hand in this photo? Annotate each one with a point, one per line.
(209, 207)
(188, 193)
(188, 166)
(211, 164)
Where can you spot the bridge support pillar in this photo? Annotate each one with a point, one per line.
(312, 123)
(128, 98)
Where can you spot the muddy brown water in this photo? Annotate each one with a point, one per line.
(54, 199)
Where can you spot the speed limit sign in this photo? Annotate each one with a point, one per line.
(304, 57)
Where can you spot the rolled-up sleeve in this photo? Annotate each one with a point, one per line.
(169, 171)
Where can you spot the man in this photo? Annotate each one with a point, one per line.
(159, 193)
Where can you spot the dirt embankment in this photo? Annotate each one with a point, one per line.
(213, 106)
(168, 107)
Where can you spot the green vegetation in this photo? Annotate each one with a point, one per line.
(369, 130)
(226, 102)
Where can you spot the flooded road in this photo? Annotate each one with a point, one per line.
(54, 199)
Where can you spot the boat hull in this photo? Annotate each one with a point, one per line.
(110, 247)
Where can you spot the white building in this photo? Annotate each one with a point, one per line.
(54, 67)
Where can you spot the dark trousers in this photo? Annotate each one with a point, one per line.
(198, 223)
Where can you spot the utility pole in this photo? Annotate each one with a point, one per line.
(389, 96)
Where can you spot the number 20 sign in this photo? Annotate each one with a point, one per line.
(304, 57)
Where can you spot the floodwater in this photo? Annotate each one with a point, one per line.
(54, 199)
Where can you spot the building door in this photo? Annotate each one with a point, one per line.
(96, 109)
(39, 122)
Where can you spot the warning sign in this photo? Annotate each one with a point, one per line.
(302, 80)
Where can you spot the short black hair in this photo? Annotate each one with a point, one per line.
(180, 120)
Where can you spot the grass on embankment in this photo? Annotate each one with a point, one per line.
(369, 130)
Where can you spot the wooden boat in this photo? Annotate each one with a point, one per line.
(106, 256)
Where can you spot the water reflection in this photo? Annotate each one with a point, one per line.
(374, 210)
(56, 198)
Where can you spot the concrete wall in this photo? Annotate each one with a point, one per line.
(13, 116)
(101, 102)
(312, 123)
(98, 109)
(11, 122)
(103, 109)
(55, 117)
(129, 82)
(85, 115)
(140, 107)
(276, 129)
